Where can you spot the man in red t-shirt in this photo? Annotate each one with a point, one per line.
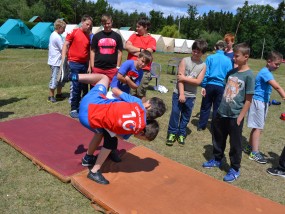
(77, 48)
(142, 40)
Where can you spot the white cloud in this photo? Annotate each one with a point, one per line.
(179, 7)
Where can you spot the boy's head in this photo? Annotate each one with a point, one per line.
(241, 53)
(221, 45)
(143, 22)
(229, 39)
(274, 60)
(59, 26)
(107, 22)
(150, 131)
(200, 45)
(86, 23)
(144, 58)
(156, 108)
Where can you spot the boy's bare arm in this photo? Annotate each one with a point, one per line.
(248, 99)
(65, 48)
(116, 91)
(181, 78)
(132, 49)
(92, 58)
(278, 88)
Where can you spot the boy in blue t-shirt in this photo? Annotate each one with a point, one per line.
(130, 73)
(264, 82)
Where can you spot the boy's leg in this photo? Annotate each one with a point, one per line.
(205, 109)
(89, 159)
(282, 159)
(254, 139)
(219, 136)
(235, 143)
(94, 79)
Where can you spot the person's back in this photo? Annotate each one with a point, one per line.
(217, 67)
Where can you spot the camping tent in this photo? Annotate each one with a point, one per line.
(159, 42)
(17, 33)
(3, 43)
(168, 44)
(96, 29)
(125, 34)
(42, 32)
(68, 29)
(189, 44)
(180, 46)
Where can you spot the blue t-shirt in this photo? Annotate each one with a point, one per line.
(231, 56)
(217, 67)
(128, 68)
(263, 89)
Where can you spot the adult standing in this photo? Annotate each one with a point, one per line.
(137, 42)
(106, 49)
(77, 49)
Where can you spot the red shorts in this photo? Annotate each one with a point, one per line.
(110, 73)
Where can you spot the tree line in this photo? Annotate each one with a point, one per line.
(261, 26)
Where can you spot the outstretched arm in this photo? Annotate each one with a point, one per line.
(278, 88)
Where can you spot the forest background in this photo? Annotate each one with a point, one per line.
(260, 26)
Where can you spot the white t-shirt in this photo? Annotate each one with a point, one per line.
(55, 47)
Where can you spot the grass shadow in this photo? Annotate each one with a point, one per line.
(10, 100)
(5, 114)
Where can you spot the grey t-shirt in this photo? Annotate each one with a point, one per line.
(192, 70)
(238, 85)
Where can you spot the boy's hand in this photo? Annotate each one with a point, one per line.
(182, 98)
(203, 92)
(181, 77)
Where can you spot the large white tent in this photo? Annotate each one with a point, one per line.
(180, 46)
(159, 42)
(168, 44)
(68, 29)
(189, 44)
(125, 34)
(96, 29)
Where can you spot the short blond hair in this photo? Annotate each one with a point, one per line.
(59, 23)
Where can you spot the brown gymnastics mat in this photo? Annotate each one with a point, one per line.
(146, 182)
(53, 141)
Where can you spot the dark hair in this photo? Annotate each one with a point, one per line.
(143, 21)
(243, 48)
(86, 17)
(106, 17)
(201, 45)
(146, 55)
(157, 108)
(274, 55)
(151, 129)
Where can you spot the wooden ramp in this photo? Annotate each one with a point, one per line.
(146, 182)
(53, 141)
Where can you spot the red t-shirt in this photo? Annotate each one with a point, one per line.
(120, 117)
(143, 42)
(79, 46)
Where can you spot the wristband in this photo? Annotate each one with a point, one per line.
(118, 67)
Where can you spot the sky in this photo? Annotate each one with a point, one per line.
(179, 7)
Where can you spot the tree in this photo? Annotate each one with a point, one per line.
(170, 31)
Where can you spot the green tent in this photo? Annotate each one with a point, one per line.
(42, 32)
(17, 33)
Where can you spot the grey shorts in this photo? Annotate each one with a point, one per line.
(53, 84)
(257, 114)
(141, 90)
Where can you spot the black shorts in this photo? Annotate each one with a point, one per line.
(109, 142)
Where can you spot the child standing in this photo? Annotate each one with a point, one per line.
(190, 75)
(54, 60)
(264, 82)
(231, 112)
(230, 40)
(217, 67)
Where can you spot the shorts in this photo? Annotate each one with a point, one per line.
(110, 73)
(257, 114)
(92, 97)
(53, 83)
(141, 90)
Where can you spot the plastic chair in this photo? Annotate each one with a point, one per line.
(155, 73)
(174, 64)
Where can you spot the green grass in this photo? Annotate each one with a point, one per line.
(24, 77)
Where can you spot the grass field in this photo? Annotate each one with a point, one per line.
(24, 77)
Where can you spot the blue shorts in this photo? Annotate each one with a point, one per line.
(92, 96)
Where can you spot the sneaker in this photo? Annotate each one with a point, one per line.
(89, 160)
(232, 175)
(170, 139)
(74, 114)
(114, 156)
(212, 163)
(201, 129)
(276, 171)
(258, 157)
(51, 99)
(247, 149)
(180, 140)
(59, 97)
(97, 177)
